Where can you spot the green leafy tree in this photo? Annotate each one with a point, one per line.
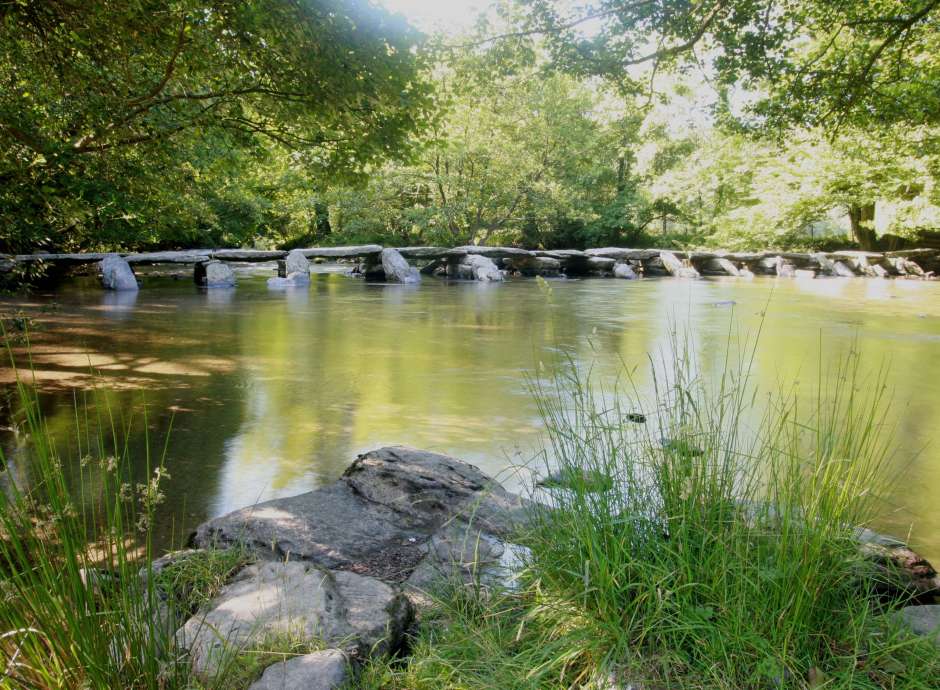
(110, 109)
(818, 63)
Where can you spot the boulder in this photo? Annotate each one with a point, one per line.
(922, 620)
(116, 274)
(294, 263)
(377, 519)
(804, 274)
(625, 271)
(295, 599)
(214, 274)
(719, 266)
(675, 267)
(396, 269)
(460, 554)
(784, 268)
(535, 265)
(600, 264)
(324, 670)
(905, 267)
(475, 267)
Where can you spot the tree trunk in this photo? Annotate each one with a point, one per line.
(861, 218)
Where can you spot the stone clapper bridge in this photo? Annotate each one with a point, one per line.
(212, 266)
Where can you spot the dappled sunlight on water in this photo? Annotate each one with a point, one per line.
(273, 393)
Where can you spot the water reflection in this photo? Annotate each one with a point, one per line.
(270, 393)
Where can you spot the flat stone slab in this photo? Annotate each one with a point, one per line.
(377, 519)
(62, 258)
(323, 670)
(422, 252)
(298, 600)
(182, 257)
(250, 255)
(362, 250)
(488, 252)
(623, 254)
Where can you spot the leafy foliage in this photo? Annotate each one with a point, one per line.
(120, 115)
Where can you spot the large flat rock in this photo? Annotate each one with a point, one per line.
(249, 255)
(362, 250)
(194, 256)
(488, 252)
(377, 519)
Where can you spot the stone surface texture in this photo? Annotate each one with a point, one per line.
(116, 274)
(214, 274)
(299, 600)
(397, 269)
(922, 620)
(377, 519)
(323, 670)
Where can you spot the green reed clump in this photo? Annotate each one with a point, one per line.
(74, 612)
(723, 554)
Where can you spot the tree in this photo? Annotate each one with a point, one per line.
(819, 63)
(104, 99)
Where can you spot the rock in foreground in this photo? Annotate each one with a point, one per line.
(297, 600)
(317, 671)
(377, 519)
(922, 620)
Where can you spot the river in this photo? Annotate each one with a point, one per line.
(274, 393)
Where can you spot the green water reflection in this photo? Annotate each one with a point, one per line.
(273, 393)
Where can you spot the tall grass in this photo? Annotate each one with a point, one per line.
(73, 610)
(724, 552)
(703, 537)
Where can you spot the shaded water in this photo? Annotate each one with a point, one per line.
(274, 393)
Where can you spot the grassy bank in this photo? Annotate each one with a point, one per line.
(705, 547)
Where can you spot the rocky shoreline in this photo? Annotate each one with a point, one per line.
(351, 564)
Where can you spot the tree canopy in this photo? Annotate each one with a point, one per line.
(740, 123)
(104, 100)
(812, 62)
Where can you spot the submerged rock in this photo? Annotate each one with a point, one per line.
(116, 274)
(300, 600)
(593, 481)
(322, 670)
(625, 271)
(397, 269)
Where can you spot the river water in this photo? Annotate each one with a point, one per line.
(274, 393)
